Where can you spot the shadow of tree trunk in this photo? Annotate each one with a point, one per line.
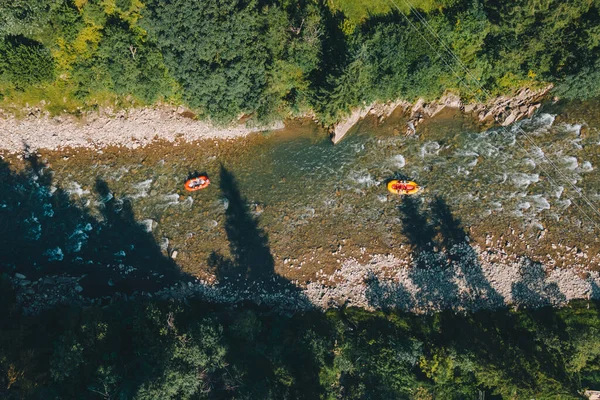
(251, 270)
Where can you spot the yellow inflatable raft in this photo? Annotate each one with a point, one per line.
(403, 187)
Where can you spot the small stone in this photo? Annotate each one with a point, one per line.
(174, 254)
(78, 289)
(20, 276)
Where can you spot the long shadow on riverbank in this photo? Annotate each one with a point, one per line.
(454, 239)
(50, 239)
(441, 253)
(251, 268)
(249, 275)
(533, 288)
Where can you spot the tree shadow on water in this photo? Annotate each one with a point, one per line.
(131, 258)
(46, 234)
(416, 227)
(251, 263)
(249, 275)
(441, 254)
(248, 243)
(454, 239)
(107, 251)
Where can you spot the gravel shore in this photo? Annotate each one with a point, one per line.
(130, 129)
(464, 279)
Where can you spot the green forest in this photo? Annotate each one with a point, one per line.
(269, 59)
(169, 350)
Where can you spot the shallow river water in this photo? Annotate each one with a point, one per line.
(531, 188)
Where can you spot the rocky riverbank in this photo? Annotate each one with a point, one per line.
(465, 278)
(502, 110)
(131, 129)
(139, 127)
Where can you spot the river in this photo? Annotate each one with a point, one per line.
(530, 189)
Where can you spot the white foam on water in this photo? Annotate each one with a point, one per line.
(74, 188)
(109, 196)
(539, 203)
(188, 201)
(358, 147)
(466, 153)
(559, 191)
(329, 202)
(430, 148)
(544, 120)
(575, 128)
(141, 189)
(496, 206)
(528, 162)
(76, 247)
(120, 173)
(398, 161)
(362, 178)
(538, 153)
(309, 212)
(569, 162)
(171, 199)
(485, 148)
(523, 180)
(164, 244)
(537, 224)
(35, 228)
(55, 254)
(586, 166)
(225, 202)
(148, 224)
(564, 204)
(211, 224)
(462, 171)
(577, 143)
(48, 210)
(78, 238)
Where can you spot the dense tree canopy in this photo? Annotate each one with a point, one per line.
(150, 349)
(224, 58)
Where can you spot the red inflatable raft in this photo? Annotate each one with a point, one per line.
(200, 182)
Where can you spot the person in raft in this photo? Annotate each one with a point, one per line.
(197, 183)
